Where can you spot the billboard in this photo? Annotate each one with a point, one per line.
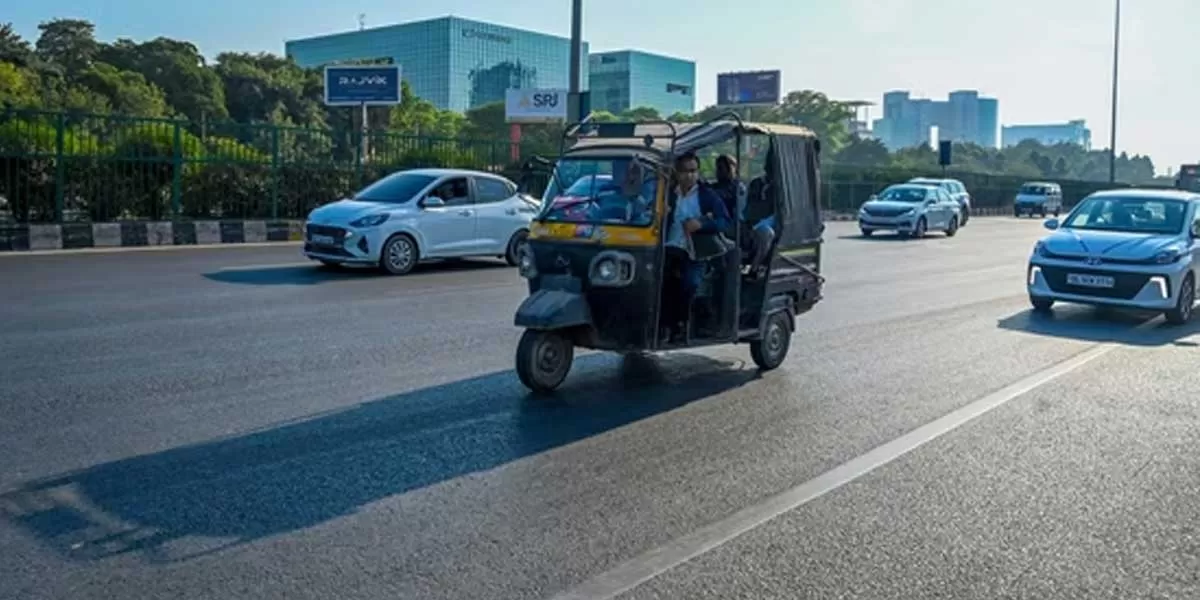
(362, 85)
(747, 89)
(535, 106)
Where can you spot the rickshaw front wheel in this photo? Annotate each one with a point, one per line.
(768, 353)
(543, 359)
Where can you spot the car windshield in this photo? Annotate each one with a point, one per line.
(911, 194)
(396, 188)
(1034, 190)
(1133, 215)
(609, 190)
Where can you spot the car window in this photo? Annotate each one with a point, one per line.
(491, 190)
(397, 187)
(454, 191)
(945, 196)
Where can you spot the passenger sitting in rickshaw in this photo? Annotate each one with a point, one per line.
(698, 209)
(731, 189)
(756, 214)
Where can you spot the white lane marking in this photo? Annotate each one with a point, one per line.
(171, 248)
(641, 569)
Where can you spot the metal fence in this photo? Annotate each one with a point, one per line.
(68, 167)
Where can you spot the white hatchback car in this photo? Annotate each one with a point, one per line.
(420, 214)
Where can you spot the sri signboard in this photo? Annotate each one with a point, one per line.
(748, 89)
(535, 106)
(362, 85)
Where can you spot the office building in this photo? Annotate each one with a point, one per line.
(963, 117)
(1049, 134)
(626, 79)
(454, 63)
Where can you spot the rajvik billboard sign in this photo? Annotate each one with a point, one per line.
(535, 106)
(748, 89)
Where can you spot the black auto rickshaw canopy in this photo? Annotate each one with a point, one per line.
(793, 158)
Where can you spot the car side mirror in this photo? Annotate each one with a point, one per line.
(432, 201)
(1051, 224)
(873, 197)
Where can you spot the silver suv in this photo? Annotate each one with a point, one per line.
(955, 188)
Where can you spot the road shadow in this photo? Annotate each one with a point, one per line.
(875, 237)
(195, 500)
(1102, 325)
(317, 274)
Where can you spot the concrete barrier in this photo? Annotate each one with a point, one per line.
(18, 237)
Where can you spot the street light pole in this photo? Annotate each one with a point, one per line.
(1112, 140)
(575, 105)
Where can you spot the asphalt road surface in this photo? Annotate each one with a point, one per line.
(235, 423)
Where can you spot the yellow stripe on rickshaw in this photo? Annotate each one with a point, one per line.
(605, 235)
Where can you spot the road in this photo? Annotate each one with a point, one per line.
(234, 423)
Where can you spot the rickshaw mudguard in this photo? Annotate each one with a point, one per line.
(553, 308)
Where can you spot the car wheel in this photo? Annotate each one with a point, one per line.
(966, 216)
(920, 229)
(952, 228)
(513, 255)
(544, 359)
(1182, 313)
(1041, 305)
(770, 351)
(867, 232)
(399, 255)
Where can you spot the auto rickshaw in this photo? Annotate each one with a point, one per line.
(595, 264)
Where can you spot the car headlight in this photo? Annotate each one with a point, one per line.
(1168, 256)
(1039, 249)
(369, 221)
(526, 265)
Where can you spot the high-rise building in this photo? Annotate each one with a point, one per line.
(1071, 132)
(963, 117)
(625, 79)
(454, 63)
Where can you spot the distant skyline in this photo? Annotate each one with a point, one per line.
(1044, 61)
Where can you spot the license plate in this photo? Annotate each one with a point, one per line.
(1092, 281)
(323, 240)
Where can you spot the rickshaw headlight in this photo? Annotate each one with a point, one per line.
(612, 269)
(606, 270)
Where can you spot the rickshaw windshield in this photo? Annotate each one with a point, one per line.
(617, 191)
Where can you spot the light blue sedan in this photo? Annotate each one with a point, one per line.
(1126, 248)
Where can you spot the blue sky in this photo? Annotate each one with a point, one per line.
(1046, 60)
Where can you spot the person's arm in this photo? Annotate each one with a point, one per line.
(716, 217)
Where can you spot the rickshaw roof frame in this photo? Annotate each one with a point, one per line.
(671, 139)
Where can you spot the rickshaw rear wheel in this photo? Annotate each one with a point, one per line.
(544, 359)
(769, 351)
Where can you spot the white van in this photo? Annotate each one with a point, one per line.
(1038, 197)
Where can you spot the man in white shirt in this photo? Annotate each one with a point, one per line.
(697, 210)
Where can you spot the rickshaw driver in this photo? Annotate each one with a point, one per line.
(698, 209)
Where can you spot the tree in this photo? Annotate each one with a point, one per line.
(867, 152)
(69, 44)
(13, 49)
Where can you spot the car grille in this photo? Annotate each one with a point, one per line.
(1127, 284)
(337, 233)
(876, 211)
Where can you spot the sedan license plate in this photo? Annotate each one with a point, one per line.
(323, 240)
(1092, 281)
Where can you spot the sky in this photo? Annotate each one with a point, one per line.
(1045, 60)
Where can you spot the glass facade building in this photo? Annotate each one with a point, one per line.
(454, 63)
(627, 79)
(964, 116)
